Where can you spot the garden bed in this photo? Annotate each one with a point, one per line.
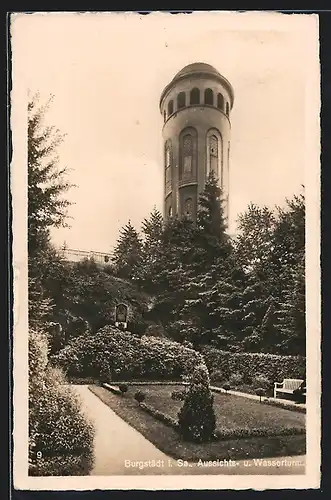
(276, 431)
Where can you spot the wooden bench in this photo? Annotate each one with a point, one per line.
(288, 386)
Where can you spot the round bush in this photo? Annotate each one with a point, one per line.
(226, 386)
(126, 357)
(139, 396)
(123, 388)
(196, 419)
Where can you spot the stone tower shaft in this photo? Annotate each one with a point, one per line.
(195, 107)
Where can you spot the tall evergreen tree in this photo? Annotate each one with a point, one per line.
(270, 247)
(46, 179)
(291, 319)
(128, 252)
(209, 263)
(152, 231)
(47, 208)
(152, 228)
(210, 239)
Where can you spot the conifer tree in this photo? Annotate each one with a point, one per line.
(210, 238)
(291, 314)
(196, 418)
(208, 256)
(46, 179)
(152, 231)
(128, 252)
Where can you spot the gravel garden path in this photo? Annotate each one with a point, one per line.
(121, 450)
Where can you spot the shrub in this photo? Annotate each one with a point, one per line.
(247, 432)
(261, 380)
(196, 419)
(178, 395)
(226, 386)
(139, 396)
(126, 357)
(123, 388)
(281, 404)
(274, 367)
(260, 392)
(58, 428)
(236, 379)
(217, 376)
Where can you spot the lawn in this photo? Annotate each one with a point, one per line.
(232, 413)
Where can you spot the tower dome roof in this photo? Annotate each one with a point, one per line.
(197, 67)
(202, 68)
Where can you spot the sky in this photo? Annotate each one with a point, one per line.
(107, 72)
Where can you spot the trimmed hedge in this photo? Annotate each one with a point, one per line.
(60, 434)
(242, 432)
(249, 365)
(281, 404)
(224, 434)
(112, 354)
(159, 415)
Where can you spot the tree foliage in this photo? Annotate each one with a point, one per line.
(245, 294)
(60, 437)
(47, 182)
(128, 252)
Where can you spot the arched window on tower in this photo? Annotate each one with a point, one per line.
(164, 115)
(187, 157)
(209, 97)
(220, 101)
(227, 108)
(195, 96)
(170, 211)
(181, 100)
(188, 208)
(170, 107)
(188, 154)
(168, 173)
(213, 154)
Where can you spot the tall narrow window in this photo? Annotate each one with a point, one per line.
(213, 153)
(170, 211)
(209, 97)
(187, 154)
(165, 115)
(220, 101)
(195, 96)
(188, 208)
(181, 100)
(170, 107)
(168, 168)
(227, 108)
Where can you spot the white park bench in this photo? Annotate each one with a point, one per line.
(288, 386)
